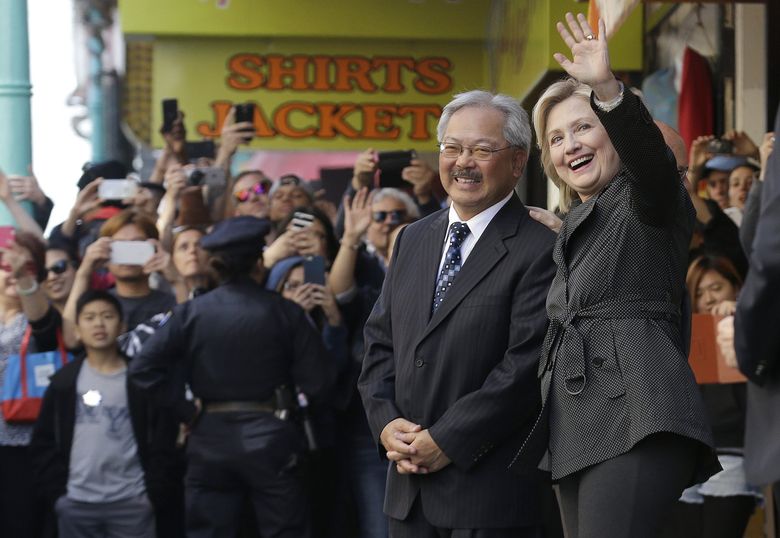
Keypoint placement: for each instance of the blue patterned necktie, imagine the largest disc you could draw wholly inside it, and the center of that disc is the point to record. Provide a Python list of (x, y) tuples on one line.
[(452, 262)]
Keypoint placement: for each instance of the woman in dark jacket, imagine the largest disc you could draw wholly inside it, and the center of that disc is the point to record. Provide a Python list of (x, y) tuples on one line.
[(627, 428)]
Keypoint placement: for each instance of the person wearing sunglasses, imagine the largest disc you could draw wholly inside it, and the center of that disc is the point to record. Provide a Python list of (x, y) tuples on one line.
[(251, 194), (389, 208), (60, 272)]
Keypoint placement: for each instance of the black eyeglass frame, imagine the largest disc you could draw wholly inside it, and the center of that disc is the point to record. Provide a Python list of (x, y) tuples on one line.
[(397, 214), (58, 267)]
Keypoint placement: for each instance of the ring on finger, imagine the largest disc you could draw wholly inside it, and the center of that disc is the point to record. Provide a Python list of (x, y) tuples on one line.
[(590, 37)]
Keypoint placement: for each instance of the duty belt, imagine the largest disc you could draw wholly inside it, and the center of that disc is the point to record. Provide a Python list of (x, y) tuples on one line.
[(563, 333), (240, 406)]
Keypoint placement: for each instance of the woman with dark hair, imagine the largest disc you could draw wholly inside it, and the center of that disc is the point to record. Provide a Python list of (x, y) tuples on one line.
[(625, 429), (24, 310), (721, 506), (244, 348)]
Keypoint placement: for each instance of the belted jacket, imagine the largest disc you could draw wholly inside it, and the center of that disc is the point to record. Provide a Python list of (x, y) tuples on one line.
[(612, 367)]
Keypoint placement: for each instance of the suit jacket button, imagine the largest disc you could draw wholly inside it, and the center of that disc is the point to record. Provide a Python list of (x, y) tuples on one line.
[(597, 362), (418, 363)]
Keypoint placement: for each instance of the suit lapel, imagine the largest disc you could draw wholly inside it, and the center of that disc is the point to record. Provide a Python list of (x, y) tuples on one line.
[(486, 254), (429, 257)]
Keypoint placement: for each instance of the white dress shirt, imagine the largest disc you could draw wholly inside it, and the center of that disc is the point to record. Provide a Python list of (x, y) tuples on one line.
[(477, 226)]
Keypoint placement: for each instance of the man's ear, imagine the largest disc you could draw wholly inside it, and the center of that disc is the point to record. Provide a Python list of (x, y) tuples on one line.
[(519, 160), (77, 332)]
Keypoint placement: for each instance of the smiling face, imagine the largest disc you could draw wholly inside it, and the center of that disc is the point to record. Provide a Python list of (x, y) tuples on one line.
[(98, 325), (58, 284), (580, 148), (740, 181), (473, 185), (8, 282)]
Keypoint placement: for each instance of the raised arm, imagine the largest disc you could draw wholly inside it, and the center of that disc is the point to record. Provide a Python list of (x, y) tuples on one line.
[(637, 140)]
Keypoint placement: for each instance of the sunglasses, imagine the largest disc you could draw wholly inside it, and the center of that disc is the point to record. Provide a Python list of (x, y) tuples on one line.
[(58, 267), (261, 187), (396, 216)]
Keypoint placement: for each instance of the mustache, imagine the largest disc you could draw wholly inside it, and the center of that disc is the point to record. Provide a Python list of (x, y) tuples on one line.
[(472, 174)]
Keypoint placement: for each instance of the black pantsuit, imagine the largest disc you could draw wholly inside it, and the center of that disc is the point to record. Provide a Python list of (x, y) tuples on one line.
[(613, 369), (636, 489)]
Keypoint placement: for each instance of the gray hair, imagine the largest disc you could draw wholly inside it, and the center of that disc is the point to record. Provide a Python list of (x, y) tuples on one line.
[(517, 130), (412, 211)]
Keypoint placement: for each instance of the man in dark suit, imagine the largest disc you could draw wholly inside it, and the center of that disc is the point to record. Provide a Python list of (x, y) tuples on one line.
[(757, 340), (449, 377)]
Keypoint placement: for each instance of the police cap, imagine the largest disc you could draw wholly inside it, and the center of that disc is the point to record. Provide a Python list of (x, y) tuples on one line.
[(238, 235)]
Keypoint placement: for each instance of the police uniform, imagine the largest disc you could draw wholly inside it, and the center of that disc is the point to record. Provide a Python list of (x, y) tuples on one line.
[(238, 343)]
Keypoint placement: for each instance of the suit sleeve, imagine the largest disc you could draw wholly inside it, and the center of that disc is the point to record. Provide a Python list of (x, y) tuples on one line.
[(509, 397), (377, 378), (756, 338), (649, 161)]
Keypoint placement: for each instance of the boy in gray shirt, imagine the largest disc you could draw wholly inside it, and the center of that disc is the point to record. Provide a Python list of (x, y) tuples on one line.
[(92, 443)]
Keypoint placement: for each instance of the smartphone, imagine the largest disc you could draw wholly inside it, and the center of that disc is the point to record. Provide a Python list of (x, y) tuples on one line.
[(197, 150), (245, 112), (170, 110), (301, 220), (390, 164), (7, 234), (314, 270), (117, 189), (131, 252)]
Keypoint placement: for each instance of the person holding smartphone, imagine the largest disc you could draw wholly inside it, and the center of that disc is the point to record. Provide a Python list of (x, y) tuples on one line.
[(139, 301)]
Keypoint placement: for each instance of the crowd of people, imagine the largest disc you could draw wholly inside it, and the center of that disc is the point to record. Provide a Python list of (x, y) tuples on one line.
[(248, 359)]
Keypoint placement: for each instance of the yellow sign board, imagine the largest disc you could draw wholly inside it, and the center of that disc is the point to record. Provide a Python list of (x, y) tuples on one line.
[(316, 94)]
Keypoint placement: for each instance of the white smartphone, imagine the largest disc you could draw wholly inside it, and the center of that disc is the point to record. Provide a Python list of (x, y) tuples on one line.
[(117, 189), (131, 252)]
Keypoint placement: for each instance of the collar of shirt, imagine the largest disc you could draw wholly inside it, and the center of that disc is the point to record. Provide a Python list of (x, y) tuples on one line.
[(477, 226)]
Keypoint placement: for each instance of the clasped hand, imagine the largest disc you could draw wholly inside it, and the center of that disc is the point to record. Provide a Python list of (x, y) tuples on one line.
[(411, 448)]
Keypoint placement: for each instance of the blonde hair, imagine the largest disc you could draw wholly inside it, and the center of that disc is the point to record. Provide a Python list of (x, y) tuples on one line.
[(556, 93)]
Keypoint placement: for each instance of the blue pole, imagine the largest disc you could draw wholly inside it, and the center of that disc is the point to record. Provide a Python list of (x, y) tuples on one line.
[(95, 98), (15, 94)]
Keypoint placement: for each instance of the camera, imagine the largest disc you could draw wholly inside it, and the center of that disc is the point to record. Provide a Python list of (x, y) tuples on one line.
[(212, 177), (720, 146)]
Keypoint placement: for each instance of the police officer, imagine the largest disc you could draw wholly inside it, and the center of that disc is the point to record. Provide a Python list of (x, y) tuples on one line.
[(239, 344)]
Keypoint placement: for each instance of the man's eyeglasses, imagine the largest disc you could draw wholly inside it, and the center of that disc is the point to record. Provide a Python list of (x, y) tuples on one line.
[(58, 267), (451, 150), (396, 216), (261, 187)]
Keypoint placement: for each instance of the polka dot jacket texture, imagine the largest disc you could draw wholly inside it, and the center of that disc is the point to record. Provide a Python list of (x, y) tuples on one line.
[(612, 367)]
